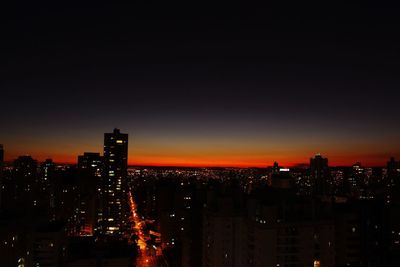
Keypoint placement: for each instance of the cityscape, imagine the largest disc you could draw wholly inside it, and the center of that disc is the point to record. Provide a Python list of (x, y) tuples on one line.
[(102, 212), (194, 134)]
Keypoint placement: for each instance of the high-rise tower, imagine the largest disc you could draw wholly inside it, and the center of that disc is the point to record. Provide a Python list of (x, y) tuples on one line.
[(320, 173), (115, 212)]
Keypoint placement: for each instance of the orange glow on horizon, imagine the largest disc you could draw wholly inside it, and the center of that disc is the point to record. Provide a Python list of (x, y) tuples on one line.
[(212, 161), (209, 151)]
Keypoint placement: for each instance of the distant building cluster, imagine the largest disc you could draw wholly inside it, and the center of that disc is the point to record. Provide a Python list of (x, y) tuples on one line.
[(103, 213), (60, 215), (308, 216)]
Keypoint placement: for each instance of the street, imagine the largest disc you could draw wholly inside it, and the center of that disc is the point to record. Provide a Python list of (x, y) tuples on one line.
[(148, 256)]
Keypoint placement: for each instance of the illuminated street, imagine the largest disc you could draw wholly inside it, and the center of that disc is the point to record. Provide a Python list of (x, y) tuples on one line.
[(147, 256)]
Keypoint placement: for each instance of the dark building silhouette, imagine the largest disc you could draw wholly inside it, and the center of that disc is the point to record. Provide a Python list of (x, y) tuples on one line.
[(26, 186), (115, 212), (47, 169), (48, 246), (393, 179), (393, 171), (47, 183), (270, 228), (90, 163), (276, 167), (90, 167), (86, 251), (319, 171), (281, 179), (393, 166)]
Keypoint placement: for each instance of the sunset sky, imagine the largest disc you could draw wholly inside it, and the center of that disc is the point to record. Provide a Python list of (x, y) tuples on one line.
[(206, 87)]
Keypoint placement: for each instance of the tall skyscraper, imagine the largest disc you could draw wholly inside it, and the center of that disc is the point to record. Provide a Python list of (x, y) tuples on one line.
[(319, 171), (115, 212)]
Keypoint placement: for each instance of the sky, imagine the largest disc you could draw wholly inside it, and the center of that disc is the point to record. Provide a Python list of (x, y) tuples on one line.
[(202, 85)]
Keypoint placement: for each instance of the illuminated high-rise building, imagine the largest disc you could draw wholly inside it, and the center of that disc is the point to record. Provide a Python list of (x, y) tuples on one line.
[(319, 171), (115, 212)]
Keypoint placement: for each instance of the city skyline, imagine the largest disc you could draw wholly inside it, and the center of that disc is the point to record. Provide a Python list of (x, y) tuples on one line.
[(166, 161), (99, 213)]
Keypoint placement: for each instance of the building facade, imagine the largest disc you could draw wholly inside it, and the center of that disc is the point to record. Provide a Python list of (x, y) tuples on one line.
[(114, 214)]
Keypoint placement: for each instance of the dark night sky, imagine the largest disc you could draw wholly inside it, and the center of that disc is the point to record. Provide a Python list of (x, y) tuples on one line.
[(203, 84)]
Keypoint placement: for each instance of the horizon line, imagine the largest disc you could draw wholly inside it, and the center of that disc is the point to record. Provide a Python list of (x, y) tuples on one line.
[(297, 165)]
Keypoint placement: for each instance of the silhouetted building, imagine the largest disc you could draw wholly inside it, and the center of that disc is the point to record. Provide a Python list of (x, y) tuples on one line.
[(47, 169), (48, 246), (319, 171), (259, 236), (86, 251), (47, 181), (282, 179), (90, 167), (114, 215), (90, 163), (26, 186), (13, 240), (393, 171), (275, 167), (225, 234), (393, 167)]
